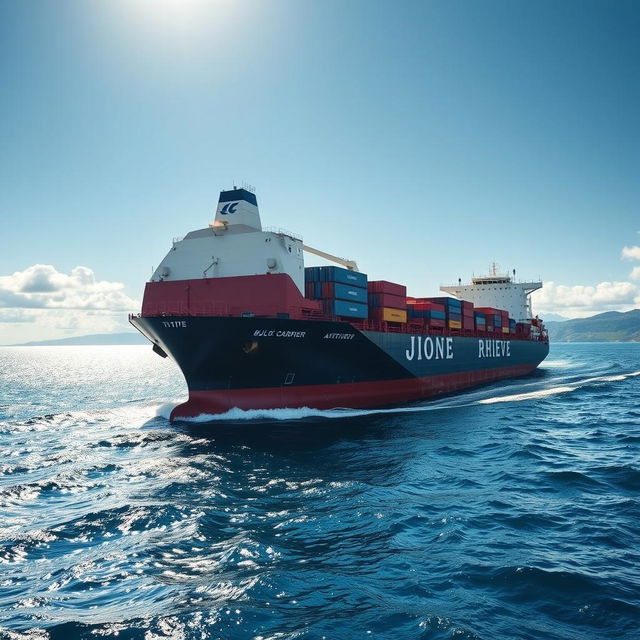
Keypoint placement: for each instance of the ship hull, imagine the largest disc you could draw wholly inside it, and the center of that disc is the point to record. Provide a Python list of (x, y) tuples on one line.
[(270, 363)]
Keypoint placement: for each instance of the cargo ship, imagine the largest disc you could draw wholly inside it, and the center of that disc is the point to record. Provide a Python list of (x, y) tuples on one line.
[(251, 328)]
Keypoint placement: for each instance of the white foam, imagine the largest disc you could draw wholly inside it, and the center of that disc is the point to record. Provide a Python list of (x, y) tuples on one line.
[(518, 397), (164, 410), (552, 391), (279, 414), (552, 364)]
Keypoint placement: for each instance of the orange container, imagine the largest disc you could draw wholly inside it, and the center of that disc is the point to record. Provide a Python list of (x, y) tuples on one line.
[(387, 314)]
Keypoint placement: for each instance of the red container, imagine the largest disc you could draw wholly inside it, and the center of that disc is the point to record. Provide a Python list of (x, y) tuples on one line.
[(425, 301), (434, 322), (426, 306), (382, 286), (523, 328), (387, 300), (468, 325)]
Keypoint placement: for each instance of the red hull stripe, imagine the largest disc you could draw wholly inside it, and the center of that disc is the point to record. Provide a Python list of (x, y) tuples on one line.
[(356, 395)]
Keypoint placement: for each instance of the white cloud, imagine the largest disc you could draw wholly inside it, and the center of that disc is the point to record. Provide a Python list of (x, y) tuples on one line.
[(631, 253), (41, 303), (635, 274), (580, 301), (41, 286)]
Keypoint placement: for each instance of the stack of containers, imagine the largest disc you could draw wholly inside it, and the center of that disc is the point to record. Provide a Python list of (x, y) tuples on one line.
[(512, 325), (480, 319), (387, 301), (432, 314), (497, 319), (343, 292), (504, 316), (453, 310), (523, 328), (468, 322)]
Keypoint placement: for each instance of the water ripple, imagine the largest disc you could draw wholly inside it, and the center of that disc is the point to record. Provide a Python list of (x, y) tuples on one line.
[(508, 512)]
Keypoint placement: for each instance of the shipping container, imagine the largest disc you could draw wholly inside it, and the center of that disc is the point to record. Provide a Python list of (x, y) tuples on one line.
[(418, 313), (425, 306), (345, 308), (468, 324), (382, 286), (490, 310), (337, 291), (455, 324), (387, 300), (343, 276), (450, 302), (387, 314), (310, 274)]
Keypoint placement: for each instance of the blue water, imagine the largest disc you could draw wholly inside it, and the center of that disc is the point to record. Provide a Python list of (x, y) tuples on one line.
[(507, 512)]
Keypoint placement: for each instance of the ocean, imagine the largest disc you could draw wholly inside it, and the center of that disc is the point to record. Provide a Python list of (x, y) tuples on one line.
[(508, 512)]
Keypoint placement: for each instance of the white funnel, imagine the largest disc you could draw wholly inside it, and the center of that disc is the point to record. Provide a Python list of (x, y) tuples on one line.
[(238, 206)]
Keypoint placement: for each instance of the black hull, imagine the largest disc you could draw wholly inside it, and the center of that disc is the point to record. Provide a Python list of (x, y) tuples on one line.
[(255, 363)]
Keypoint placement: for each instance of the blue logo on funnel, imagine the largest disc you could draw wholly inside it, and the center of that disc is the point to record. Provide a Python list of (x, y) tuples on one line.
[(229, 208)]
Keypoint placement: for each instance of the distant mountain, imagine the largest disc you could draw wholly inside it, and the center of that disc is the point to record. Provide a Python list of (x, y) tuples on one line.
[(613, 326), (553, 317), (95, 339)]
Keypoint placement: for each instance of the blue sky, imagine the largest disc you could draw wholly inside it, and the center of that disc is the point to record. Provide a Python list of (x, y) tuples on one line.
[(423, 139)]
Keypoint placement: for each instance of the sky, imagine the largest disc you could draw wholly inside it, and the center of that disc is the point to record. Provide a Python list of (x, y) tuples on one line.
[(425, 140)]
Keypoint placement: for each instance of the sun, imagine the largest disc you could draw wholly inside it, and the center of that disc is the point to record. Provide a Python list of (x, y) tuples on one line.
[(175, 19)]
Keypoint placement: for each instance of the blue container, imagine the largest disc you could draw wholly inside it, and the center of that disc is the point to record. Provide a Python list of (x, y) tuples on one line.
[(343, 276), (419, 313), (317, 290), (455, 316), (348, 309), (311, 274), (452, 303), (349, 292)]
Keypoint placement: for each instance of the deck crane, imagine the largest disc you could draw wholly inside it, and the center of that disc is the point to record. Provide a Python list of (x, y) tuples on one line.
[(349, 264)]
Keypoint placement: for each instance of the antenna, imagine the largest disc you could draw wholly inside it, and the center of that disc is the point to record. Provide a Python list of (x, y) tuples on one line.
[(248, 187)]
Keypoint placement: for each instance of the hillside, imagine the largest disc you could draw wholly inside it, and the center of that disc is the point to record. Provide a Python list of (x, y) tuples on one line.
[(613, 326)]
